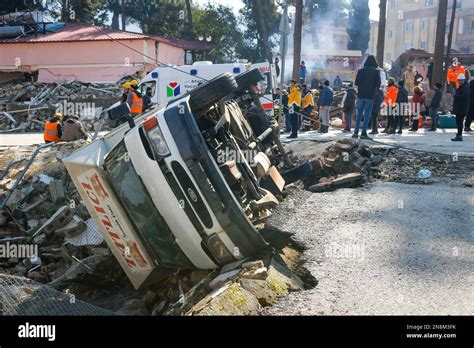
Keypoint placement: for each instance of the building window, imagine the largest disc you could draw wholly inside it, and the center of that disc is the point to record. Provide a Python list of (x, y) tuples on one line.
[(461, 26), (392, 3), (409, 26), (472, 26), (423, 24), (423, 45), (407, 46), (429, 2)]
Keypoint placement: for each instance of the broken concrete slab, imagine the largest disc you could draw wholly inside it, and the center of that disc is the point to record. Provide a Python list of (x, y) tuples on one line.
[(260, 273), (59, 219), (56, 188), (223, 278), (344, 181), (73, 228), (260, 289)]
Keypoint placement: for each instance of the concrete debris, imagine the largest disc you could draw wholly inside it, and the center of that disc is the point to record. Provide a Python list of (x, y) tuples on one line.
[(56, 188), (26, 106), (90, 236), (59, 219), (223, 278), (73, 228)]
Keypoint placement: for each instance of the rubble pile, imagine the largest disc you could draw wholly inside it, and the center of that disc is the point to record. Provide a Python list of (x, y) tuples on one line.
[(25, 106), (345, 163), (45, 211)]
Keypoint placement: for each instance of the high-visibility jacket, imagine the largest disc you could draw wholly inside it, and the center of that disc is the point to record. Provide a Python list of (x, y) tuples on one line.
[(453, 75), (308, 100), (294, 98), (51, 131), (391, 95), (136, 107), (461, 70)]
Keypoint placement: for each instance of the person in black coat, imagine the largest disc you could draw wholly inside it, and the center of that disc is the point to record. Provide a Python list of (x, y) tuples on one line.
[(461, 105), (470, 114), (379, 97), (349, 106), (435, 105), (402, 101), (368, 82)]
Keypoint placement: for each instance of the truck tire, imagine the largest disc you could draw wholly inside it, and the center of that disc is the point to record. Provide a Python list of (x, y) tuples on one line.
[(298, 172), (249, 78), (209, 93)]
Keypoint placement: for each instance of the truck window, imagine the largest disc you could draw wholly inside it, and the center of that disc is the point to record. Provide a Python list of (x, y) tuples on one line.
[(149, 84), (141, 210), (266, 86)]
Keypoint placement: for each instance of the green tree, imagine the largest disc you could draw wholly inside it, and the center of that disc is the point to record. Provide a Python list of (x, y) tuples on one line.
[(359, 26), (220, 24), (260, 20), (21, 5)]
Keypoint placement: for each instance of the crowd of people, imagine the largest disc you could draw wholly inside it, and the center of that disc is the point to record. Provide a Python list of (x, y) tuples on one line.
[(376, 95)]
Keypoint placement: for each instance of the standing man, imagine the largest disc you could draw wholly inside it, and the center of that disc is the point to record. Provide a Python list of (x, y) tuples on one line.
[(429, 74), (368, 82), (409, 77), (390, 102), (307, 104), (434, 106), (53, 129), (378, 100), (135, 99), (349, 107), (73, 129), (294, 105), (402, 101), (461, 105), (470, 115), (303, 72), (337, 83), (452, 78), (327, 97)]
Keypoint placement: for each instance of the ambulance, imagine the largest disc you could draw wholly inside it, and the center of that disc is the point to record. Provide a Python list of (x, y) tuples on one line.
[(170, 81)]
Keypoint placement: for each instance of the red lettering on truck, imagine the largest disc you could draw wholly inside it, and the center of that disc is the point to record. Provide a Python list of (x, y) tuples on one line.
[(105, 220)]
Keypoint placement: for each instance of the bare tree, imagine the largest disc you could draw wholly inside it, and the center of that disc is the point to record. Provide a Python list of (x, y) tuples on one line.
[(297, 39), (123, 14), (381, 32), (450, 36), (438, 73)]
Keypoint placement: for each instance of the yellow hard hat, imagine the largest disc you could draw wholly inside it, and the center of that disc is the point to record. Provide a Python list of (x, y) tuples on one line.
[(127, 85), (134, 83), (58, 115)]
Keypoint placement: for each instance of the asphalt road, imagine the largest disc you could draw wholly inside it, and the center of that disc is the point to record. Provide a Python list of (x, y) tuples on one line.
[(385, 249)]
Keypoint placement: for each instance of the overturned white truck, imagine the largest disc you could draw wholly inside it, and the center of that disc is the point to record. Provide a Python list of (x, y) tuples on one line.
[(188, 185)]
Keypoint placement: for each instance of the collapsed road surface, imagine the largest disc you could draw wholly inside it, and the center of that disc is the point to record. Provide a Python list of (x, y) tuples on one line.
[(385, 249)]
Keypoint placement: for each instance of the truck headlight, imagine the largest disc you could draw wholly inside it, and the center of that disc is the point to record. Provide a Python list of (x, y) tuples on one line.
[(156, 137), (218, 249)]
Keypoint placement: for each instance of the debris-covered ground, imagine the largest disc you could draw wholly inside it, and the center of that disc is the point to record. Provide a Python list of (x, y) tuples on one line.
[(74, 261), (25, 106)]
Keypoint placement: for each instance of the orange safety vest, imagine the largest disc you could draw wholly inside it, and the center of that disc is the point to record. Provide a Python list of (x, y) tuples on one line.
[(51, 131), (461, 70), (391, 96), (453, 75), (137, 104)]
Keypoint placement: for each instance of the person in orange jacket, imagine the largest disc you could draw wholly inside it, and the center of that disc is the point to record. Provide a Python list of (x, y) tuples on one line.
[(390, 101), (452, 77), (53, 129)]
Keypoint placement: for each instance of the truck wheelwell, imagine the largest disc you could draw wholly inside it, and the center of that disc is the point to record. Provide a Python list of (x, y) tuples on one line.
[(209, 93), (249, 78)]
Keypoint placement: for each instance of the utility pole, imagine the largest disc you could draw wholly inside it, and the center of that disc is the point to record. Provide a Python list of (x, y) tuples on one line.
[(284, 31), (450, 36), (297, 39), (381, 32), (438, 71)]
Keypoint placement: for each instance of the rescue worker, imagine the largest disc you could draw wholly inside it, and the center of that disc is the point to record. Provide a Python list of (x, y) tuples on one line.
[(409, 77), (390, 102), (452, 77), (307, 104), (135, 99), (294, 105), (126, 89), (53, 129), (461, 105), (73, 129)]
